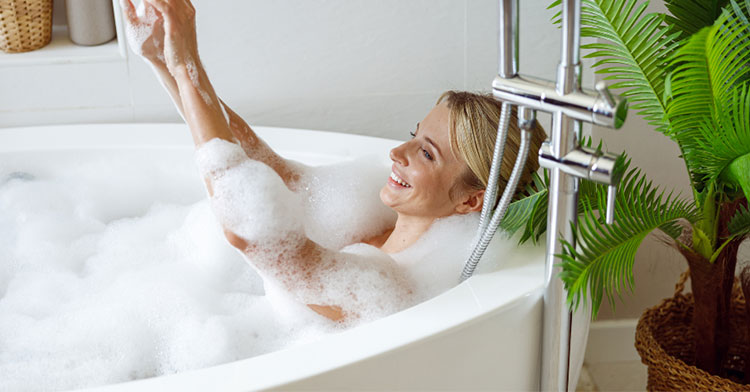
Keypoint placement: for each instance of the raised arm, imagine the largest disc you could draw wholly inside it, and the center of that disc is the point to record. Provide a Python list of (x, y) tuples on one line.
[(184, 77), (255, 208), (146, 36)]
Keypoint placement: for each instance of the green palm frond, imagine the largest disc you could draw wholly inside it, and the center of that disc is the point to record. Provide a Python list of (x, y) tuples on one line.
[(604, 259), (520, 211), (738, 174), (706, 70), (715, 145), (738, 7), (529, 212), (740, 223), (710, 106), (690, 16), (691, 93), (634, 54)]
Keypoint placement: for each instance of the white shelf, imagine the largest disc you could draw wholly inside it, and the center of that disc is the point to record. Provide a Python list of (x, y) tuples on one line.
[(61, 50)]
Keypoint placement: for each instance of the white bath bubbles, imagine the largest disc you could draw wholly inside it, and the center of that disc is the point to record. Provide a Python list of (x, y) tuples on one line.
[(249, 198), (251, 201), (114, 267), (434, 267), (345, 196)]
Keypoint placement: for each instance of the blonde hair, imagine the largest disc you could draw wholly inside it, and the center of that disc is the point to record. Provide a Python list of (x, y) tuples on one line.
[(473, 130)]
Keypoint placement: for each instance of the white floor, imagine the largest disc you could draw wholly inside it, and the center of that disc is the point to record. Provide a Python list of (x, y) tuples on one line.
[(612, 376), (611, 362)]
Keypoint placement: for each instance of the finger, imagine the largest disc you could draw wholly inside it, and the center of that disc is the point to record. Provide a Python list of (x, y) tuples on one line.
[(129, 9), (152, 12), (161, 5), (189, 5), (178, 7)]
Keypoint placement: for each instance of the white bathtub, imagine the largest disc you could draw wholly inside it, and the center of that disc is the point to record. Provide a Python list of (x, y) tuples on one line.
[(483, 334)]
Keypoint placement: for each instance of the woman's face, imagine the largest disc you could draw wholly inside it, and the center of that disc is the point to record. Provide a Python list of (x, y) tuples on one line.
[(424, 170)]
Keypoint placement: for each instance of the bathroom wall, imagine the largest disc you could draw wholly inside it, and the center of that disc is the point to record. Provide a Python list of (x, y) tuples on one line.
[(370, 67), (360, 66)]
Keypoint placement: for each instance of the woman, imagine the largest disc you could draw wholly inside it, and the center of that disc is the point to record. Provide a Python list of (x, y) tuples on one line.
[(442, 171)]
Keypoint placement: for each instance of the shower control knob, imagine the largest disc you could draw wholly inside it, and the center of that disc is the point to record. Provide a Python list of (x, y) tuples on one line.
[(604, 92), (614, 109)]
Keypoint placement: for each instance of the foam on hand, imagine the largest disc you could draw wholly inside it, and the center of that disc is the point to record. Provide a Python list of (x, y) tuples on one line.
[(138, 34)]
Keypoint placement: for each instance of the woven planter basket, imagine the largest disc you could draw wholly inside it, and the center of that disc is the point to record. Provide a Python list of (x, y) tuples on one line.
[(664, 340), (25, 25)]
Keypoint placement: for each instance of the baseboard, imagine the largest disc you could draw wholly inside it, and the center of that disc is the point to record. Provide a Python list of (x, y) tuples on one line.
[(612, 341)]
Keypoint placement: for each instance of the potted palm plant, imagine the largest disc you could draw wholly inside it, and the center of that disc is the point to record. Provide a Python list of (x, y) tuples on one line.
[(687, 72)]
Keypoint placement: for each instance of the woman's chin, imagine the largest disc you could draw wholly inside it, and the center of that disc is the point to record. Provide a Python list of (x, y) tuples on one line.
[(390, 199), (385, 197)]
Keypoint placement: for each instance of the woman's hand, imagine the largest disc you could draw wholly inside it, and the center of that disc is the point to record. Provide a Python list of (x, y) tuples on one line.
[(180, 43), (145, 31)]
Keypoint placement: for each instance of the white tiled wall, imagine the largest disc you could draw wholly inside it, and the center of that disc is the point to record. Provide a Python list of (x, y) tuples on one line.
[(362, 66)]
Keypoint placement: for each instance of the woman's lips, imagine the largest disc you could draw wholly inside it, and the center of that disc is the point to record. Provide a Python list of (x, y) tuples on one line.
[(398, 180)]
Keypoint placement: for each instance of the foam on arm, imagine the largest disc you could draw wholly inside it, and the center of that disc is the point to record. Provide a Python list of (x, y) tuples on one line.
[(251, 201), (249, 198)]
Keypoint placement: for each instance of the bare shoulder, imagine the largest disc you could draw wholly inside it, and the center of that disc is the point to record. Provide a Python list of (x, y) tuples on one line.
[(378, 240)]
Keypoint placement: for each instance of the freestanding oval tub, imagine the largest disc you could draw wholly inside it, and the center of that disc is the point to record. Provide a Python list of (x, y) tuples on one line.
[(483, 334)]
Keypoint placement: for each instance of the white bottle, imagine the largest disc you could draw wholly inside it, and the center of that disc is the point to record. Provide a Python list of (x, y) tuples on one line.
[(90, 22)]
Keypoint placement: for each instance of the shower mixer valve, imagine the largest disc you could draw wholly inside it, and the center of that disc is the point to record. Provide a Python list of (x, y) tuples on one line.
[(590, 164), (597, 106)]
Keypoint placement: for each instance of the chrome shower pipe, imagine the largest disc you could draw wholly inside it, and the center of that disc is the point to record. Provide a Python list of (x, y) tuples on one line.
[(569, 67), (508, 39), (562, 210)]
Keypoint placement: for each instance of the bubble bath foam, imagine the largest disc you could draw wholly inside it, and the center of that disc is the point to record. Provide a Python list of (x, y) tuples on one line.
[(113, 265)]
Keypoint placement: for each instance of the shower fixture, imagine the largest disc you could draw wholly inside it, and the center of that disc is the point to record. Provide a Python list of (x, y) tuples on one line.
[(564, 157)]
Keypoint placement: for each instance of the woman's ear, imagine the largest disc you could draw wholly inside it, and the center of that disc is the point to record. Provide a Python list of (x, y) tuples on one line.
[(471, 202)]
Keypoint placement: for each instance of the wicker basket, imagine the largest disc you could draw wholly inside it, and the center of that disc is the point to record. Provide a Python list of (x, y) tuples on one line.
[(25, 25), (664, 340)]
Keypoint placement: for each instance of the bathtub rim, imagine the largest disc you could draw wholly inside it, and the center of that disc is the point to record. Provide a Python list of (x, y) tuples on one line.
[(271, 370), (482, 291)]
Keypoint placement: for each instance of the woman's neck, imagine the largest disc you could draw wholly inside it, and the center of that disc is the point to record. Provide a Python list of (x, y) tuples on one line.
[(407, 231)]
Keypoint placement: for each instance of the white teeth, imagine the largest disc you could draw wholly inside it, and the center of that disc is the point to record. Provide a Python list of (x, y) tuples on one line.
[(396, 178)]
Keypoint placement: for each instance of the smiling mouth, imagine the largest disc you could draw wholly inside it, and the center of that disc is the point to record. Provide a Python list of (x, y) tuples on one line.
[(399, 181)]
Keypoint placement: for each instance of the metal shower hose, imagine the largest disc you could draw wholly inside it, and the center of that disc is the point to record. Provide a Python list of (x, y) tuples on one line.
[(487, 229)]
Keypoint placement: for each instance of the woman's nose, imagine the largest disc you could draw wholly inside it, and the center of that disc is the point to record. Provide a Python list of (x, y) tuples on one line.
[(397, 155)]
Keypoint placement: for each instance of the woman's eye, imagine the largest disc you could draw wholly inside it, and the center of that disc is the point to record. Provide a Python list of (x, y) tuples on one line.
[(412, 134), (426, 154)]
